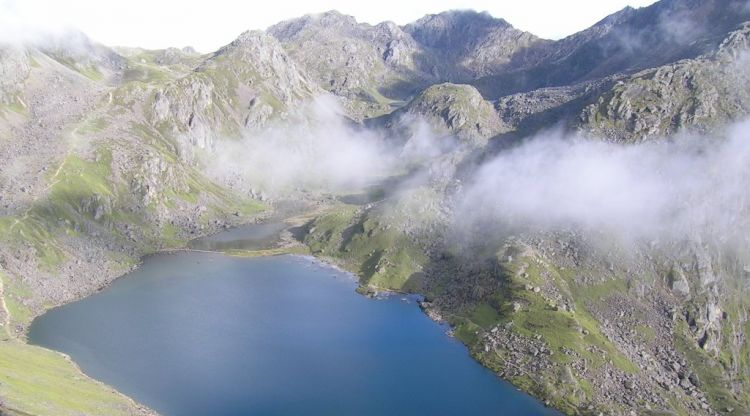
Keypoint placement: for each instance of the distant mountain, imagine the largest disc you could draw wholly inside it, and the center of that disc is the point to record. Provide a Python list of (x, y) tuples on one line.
[(379, 64), (696, 94), (475, 44), (624, 42)]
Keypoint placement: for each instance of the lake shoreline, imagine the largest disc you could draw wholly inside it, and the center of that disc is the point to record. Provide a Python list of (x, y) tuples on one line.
[(320, 302), (284, 245)]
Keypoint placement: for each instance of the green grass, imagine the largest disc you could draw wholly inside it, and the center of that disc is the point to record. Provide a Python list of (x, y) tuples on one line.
[(562, 329), (89, 71), (40, 382), (267, 252), (485, 316), (150, 74), (600, 292), (383, 258), (710, 373), (13, 294), (77, 188), (170, 236), (93, 126), (15, 106), (465, 331), (24, 232)]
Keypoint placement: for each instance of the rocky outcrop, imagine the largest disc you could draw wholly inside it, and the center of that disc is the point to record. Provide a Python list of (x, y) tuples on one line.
[(473, 44), (238, 88), (14, 68), (695, 94), (625, 42), (368, 66), (455, 109)]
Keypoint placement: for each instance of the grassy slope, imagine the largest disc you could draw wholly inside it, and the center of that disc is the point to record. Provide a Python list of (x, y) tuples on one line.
[(37, 381), (388, 259), (366, 243), (560, 330), (42, 382)]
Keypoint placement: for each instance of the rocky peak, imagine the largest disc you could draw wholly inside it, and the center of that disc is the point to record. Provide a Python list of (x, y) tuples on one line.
[(457, 109), (334, 18), (477, 43), (248, 39), (331, 20), (255, 53), (625, 42), (737, 42), (665, 31), (77, 51), (454, 29)]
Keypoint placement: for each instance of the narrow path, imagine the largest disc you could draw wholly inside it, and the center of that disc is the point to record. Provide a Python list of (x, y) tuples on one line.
[(6, 312), (52, 183)]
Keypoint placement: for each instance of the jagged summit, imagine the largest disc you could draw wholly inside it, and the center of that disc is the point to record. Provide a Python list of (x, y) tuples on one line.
[(328, 20), (625, 42), (452, 28)]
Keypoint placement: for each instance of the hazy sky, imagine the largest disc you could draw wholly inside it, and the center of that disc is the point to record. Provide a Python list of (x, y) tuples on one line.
[(206, 25)]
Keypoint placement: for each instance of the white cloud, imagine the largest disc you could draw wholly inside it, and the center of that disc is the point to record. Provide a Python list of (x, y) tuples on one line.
[(207, 25), (692, 186)]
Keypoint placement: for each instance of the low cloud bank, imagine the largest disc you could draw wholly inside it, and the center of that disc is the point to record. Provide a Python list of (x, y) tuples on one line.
[(318, 150), (687, 187)]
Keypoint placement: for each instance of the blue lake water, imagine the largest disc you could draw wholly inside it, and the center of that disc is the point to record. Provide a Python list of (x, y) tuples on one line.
[(208, 334)]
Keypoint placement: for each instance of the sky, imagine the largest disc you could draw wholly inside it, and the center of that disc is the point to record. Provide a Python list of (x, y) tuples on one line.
[(207, 25)]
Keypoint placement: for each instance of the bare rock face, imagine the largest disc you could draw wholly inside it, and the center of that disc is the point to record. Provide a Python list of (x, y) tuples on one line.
[(693, 94), (187, 104), (14, 68), (456, 109), (258, 57), (239, 87), (367, 66), (625, 42), (679, 282), (475, 44)]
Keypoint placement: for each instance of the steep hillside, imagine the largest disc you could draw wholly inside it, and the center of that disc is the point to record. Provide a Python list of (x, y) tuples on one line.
[(375, 67), (89, 185), (474, 44), (695, 94), (369, 66), (451, 109), (627, 41), (239, 87)]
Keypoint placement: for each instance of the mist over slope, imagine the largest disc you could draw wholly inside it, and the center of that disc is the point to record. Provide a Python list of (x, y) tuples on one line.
[(686, 187), (317, 150), (574, 209)]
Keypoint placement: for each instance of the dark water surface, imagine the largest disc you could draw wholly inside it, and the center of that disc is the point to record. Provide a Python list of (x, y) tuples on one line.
[(208, 334)]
